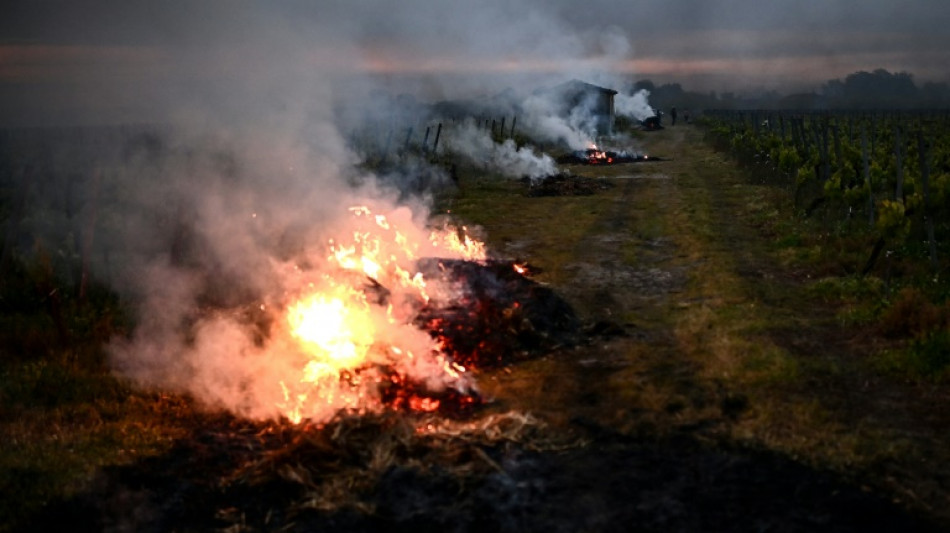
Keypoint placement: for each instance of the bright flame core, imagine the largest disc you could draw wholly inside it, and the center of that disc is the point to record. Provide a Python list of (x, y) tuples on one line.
[(340, 331), (337, 334)]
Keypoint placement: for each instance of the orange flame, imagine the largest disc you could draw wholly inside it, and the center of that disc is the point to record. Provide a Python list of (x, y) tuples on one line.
[(337, 333), (460, 243), (340, 333)]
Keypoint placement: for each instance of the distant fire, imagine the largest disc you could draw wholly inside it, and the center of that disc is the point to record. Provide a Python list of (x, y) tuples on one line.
[(596, 156)]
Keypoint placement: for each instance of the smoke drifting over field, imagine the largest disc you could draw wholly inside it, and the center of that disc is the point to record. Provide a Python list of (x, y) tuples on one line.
[(506, 158), (120, 62), (636, 105), (114, 61), (226, 212)]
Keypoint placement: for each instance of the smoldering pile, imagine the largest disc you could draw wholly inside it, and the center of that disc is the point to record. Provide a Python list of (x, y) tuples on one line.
[(490, 315), (498, 317), (594, 156), (503, 315)]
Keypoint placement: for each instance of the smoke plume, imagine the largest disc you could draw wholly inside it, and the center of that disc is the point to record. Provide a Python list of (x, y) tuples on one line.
[(220, 206), (635, 105), (475, 144)]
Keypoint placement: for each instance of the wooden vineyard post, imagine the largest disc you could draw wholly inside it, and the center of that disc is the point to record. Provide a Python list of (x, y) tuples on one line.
[(23, 178), (839, 164), (389, 139), (867, 174), (804, 136), (874, 126), (794, 134), (898, 196), (825, 160), (89, 234), (405, 147), (925, 179), (438, 133), (376, 140), (898, 157)]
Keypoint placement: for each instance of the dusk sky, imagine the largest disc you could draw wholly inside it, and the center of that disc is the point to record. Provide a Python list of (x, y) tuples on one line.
[(109, 61)]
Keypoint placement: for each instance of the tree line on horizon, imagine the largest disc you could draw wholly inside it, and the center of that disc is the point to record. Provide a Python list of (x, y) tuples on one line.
[(861, 90)]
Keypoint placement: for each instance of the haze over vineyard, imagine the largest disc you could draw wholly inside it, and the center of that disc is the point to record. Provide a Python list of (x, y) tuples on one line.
[(495, 265), (68, 63)]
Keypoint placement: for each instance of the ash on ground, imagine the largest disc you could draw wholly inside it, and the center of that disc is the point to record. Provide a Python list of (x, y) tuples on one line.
[(497, 472), (565, 185)]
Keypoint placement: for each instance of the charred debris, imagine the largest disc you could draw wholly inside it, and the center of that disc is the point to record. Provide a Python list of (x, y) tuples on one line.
[(565, 184)]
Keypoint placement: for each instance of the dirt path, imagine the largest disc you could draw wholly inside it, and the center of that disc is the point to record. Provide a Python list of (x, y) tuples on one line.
[(700, 412), (803, 375), (628, 272)]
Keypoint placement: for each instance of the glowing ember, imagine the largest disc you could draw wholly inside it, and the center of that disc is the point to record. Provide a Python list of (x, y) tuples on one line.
[(423, 404), (595, 155)]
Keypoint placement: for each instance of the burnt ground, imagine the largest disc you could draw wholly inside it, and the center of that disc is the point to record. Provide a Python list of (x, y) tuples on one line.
[(623, 430), (604, 481)]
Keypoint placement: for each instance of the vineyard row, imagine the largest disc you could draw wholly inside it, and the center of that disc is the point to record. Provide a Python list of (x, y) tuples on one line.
[(891, 169)]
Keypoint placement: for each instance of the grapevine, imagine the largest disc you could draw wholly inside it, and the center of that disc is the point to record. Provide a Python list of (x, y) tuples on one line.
[(883, 173)]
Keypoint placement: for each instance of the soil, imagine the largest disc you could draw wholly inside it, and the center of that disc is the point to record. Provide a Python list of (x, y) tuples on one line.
[(618, 432), (606, 481)]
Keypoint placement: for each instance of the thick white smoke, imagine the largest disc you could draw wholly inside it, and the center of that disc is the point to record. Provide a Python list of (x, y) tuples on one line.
[(214, 322), (546, 120), (506, 158), (227, 219), (635, 105), (221, 216)]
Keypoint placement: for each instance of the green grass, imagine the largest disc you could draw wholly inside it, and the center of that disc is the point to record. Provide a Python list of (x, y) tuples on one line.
[(546, 231), (784, 322), (62, 413), (924, 359), (772, 339), (60, 422)]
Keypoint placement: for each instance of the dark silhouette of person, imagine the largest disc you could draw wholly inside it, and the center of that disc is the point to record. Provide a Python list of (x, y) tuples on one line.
[(673, 116)]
